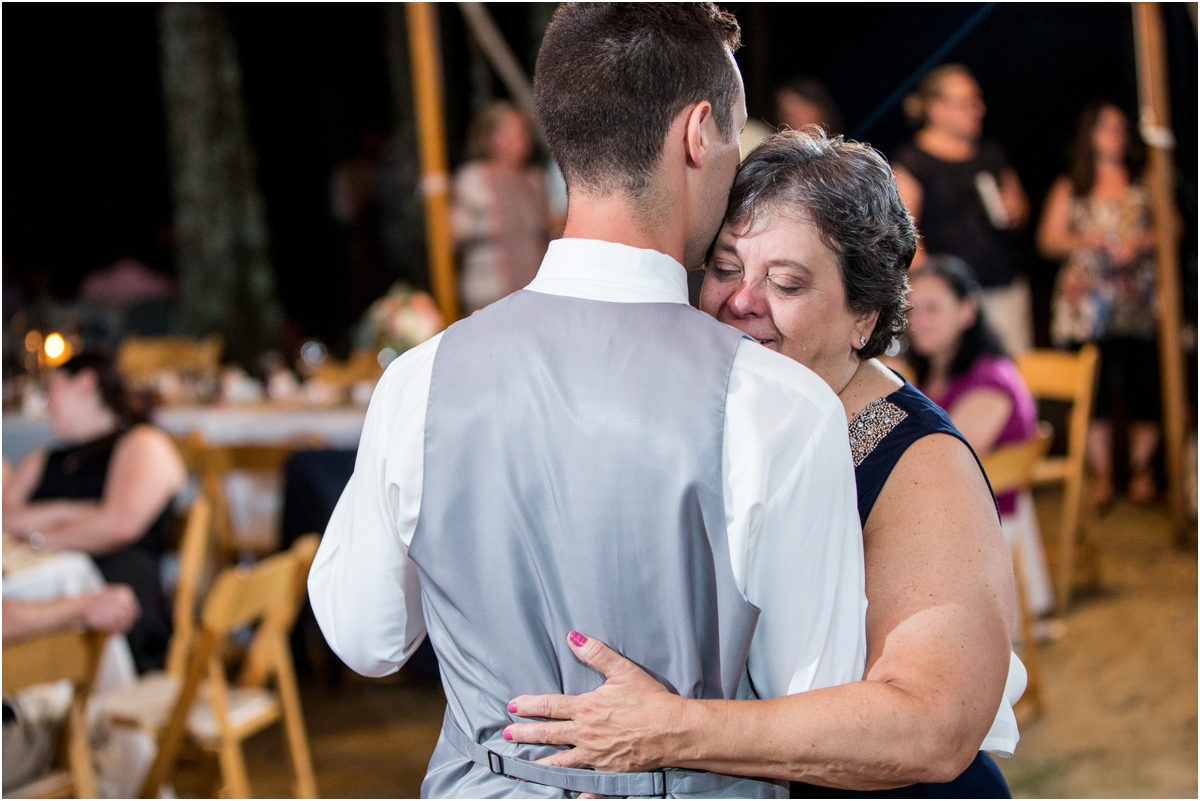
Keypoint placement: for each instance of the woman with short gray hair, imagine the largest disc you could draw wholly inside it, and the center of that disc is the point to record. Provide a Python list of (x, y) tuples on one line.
[(812, 262)]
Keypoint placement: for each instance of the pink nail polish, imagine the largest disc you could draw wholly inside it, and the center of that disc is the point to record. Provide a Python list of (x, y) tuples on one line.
[(512, 707), (577, 639), (507, 735)]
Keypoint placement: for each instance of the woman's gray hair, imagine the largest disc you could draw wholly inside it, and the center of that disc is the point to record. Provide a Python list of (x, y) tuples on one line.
[(847, 190)]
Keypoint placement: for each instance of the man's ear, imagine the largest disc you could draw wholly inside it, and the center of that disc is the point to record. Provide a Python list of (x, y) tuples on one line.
[(698, 133)]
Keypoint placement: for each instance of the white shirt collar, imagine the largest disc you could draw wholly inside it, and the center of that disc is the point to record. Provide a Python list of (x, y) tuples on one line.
[(593, 269)]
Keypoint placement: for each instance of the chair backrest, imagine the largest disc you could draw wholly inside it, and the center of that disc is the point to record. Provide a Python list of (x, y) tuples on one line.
[(363, 365), (142, 356), (193, 551), (304, 551), (1010, 467), (1066, 377), (213, 463), (245, 595), (63, 655), (257, 667)]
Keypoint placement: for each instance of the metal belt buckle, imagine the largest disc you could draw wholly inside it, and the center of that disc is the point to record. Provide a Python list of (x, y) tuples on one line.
[(660, 783), (496, 763)]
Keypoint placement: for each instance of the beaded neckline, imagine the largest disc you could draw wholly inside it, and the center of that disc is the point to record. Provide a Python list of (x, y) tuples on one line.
[(871, 425)]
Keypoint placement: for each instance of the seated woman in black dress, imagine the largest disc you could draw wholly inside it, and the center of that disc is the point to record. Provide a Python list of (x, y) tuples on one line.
[(812, 263), (108, 492)]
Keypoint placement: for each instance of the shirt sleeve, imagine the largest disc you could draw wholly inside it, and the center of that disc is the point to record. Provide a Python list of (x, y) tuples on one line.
[(363, 587), (794, 536), (1003, 737)]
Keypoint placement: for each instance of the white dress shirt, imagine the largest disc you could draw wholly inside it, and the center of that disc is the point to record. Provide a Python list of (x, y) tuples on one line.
[(790, 499)]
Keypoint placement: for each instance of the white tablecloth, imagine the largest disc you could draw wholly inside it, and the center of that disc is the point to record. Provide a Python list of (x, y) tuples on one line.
[(339, 427)]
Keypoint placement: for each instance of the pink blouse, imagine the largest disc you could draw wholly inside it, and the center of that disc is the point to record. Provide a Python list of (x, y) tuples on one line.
[(999, 373)]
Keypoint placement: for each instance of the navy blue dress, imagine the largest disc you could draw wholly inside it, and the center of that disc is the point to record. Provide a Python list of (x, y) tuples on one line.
[(879, 436)]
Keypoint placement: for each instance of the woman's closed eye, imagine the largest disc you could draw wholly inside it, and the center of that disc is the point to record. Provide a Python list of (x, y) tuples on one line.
[(724, 271), (787, 283)]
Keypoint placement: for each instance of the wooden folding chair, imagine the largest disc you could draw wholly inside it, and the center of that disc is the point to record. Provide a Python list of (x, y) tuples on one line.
[(142, 704), (217, 717), (139, 358), (363, 365), (214, 463), (1011, 468), (1071, 378), (67, 655), (256, 668)]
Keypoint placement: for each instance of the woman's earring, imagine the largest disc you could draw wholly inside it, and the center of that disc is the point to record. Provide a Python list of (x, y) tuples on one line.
[(862, 341)]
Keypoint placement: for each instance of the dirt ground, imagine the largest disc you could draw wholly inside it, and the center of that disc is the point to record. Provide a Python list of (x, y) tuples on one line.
[(1120, 694), (1120, 686)]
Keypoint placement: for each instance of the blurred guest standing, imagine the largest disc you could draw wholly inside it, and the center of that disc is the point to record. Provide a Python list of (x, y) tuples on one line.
[(965, 196), (108, 492), (501, 208), (962, 367), (1098, 219)]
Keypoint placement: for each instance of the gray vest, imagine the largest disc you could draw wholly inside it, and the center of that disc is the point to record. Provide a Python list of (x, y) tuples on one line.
[(573, 480)]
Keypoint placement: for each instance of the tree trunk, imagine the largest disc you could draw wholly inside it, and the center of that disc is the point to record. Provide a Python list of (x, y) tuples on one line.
[(226, 281)]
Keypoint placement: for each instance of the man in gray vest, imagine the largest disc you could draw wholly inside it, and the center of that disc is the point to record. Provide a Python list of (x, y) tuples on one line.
[(592, 452)]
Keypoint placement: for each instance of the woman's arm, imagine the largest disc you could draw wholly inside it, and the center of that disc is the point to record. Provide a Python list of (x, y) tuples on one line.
[(1055, 236), (940, 590), (144, 473), (113, 610), (913, 196), (23, 517), (911, 192), (980, 415), (1012, 195)]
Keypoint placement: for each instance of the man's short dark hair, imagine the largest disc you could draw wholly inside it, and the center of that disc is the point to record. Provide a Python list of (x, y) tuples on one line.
[(611, 77), (846, 190)]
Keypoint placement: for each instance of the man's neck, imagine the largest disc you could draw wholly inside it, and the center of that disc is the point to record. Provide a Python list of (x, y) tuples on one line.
[(613, 218)]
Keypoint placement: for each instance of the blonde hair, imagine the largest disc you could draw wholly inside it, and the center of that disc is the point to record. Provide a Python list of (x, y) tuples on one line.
[(930, 87), (484, 124)]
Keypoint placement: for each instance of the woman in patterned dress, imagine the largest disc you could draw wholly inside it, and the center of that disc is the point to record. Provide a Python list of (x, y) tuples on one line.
[(1098, 220), (812, 263)]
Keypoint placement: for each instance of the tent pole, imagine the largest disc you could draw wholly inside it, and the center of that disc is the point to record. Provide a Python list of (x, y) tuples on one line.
[(431, 137), (1155, 126)]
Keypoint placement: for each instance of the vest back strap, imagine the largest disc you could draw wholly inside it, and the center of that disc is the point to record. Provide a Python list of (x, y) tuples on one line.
[(654, 784)]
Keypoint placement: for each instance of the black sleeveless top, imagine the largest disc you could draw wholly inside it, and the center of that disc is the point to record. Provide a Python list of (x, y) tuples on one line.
[(78, 473), (953, 218), (884, 430), (879, 436)]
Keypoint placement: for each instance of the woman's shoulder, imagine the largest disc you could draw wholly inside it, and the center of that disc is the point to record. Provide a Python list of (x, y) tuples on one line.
[(887, 426), (927, 416), (887, 429), (146, 439), (470, 176)]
